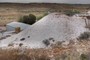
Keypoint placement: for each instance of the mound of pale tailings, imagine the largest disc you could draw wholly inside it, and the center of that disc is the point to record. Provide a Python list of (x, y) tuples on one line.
[(57, 26)]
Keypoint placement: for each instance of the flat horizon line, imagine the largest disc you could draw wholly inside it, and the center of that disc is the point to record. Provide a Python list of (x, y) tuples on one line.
[(42, 3)]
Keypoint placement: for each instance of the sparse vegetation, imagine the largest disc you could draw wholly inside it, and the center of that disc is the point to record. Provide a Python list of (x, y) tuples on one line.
[(84, 36), (84, 57), (46, 42), (30, 54), (17, 30), (31, 19), (41, 54), (20, 44), (40, 17), (58, 44), (55, 53), (71, 12), (21, 10)]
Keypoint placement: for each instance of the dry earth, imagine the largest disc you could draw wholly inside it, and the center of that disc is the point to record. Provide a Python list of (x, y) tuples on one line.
[(13, 11), (73, 51)]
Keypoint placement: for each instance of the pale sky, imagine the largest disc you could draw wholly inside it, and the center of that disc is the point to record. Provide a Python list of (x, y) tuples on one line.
[(49, 1)]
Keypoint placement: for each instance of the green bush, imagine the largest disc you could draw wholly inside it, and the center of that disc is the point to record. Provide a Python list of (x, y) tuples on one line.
[(71, 12), (31, 19)]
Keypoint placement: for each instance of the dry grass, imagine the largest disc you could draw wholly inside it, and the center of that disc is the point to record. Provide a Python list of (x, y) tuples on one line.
[(71, 52), (16, 54), (38, 54), (12, 12)]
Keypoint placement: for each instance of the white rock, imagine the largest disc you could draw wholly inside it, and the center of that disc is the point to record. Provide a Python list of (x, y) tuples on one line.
[(55, 25)]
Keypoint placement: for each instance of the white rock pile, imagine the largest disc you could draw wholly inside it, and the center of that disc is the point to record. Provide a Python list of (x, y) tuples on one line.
[(55, 25)]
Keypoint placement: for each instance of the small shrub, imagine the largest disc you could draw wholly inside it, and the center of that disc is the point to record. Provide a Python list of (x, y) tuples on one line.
[(85, 35), (83, 57), (20, 44), (46, 42), (30, 19), (17, 29), (52, 39)]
